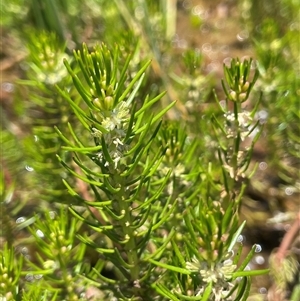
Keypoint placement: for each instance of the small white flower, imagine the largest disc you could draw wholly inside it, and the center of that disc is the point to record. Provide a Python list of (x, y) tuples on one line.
[(220, 274), (96, 133), (244, 119)]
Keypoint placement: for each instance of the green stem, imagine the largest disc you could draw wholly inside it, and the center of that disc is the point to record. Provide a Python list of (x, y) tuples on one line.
[(236, 141), (128, 232)]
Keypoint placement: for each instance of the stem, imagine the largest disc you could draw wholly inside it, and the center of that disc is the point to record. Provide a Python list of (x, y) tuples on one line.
[(128, 232), (83, 189), (288, 239)]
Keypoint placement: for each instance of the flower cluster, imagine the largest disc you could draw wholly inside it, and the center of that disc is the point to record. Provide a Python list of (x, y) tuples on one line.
[(47, 56), (220, 274), (241, 93), (243, 125), (54, 68), (116, 126)]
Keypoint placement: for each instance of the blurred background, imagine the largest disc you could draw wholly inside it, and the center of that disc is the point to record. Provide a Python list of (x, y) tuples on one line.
[(188, 41)]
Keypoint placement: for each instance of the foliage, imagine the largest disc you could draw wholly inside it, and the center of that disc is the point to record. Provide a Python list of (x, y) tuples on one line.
[(129, 194)]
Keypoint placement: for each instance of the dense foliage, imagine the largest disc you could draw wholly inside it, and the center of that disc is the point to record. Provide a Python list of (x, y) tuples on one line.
[(125, 166)]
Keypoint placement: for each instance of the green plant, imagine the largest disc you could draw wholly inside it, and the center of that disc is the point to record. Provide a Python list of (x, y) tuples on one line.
[(134, 203), (137, 196), (128, 189)]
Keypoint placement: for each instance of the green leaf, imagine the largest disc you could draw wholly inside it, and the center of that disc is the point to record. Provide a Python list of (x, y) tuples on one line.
[(78, 175), (121, 261), (66, 140), (83, 150), (109, 187), (167, 212), (134, 80), (158, 116), (136, 89), (169, 267), (238, 254), (161, 289), (247, 259), (188, 298), (93, 245), (178, 253), (147, 104), (86, 96), (87, 170), (241, 288), (207, 292), (106, 151), (235, 236), (101, 277), (122, 80), (78, 111), (161, 249), (250, 273)]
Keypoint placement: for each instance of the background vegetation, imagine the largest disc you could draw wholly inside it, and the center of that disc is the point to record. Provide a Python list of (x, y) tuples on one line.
[(129, 165)]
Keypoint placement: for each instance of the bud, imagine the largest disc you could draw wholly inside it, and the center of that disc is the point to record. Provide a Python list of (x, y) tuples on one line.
[(232, 95), (108, 103), (97, 103), (63, 249), (242, 97), (105, 105), (103, 84), (245, 87), (110, 90)]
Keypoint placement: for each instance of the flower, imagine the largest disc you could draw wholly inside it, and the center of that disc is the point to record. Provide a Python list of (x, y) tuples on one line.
[(244, 121), (116, 124), (220, 274)]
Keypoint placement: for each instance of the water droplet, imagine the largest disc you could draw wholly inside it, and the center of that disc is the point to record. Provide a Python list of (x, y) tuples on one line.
[(206, 47), (52, 214), (29, 277), (263, 290), (243, 35), (259, 259), (227, 61), (289, 190), (29, 168), (20, 220), (39, 233), (38, 276), (213, 66), (36, 138), (258, 248), (7, 87), (263, 165), (182, 43), (224, 49), (205, 28), (187, 4), (24, 251), (197, 10), (240, 238)]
